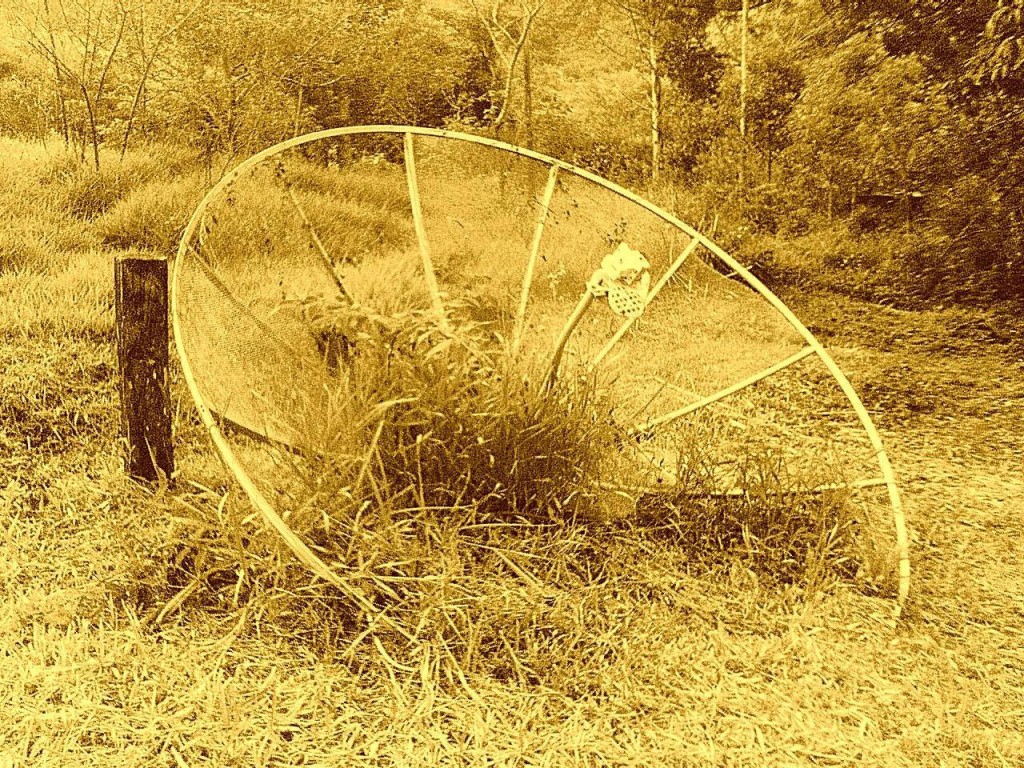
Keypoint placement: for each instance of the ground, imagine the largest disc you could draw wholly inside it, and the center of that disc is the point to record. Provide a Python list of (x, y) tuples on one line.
[(99, 665)]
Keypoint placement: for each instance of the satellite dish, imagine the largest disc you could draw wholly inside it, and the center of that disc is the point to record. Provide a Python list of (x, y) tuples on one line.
[(304, 263)]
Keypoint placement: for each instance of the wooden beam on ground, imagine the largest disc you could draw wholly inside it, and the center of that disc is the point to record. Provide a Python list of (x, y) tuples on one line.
[(140, 307)]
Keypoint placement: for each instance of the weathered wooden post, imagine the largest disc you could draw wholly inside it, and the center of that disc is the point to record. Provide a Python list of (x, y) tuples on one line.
[(140, 306)]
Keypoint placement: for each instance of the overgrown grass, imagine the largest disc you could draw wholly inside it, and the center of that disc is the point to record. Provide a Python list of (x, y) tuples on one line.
[(164, 626), (77, 284), (151, 216), (449, 493), (86, 193), (55, 206)]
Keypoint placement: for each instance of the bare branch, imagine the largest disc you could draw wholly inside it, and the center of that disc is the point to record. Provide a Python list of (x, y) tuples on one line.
[(508, 44)]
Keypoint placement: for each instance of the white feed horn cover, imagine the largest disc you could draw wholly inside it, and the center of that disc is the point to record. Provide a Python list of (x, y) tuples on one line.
[(625, 278)]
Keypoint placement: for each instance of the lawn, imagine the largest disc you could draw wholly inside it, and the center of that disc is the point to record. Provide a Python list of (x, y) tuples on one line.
[(129, 638)]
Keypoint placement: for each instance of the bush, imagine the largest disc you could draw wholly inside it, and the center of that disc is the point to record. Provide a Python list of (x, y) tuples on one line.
[(973, 245), (877, 267)]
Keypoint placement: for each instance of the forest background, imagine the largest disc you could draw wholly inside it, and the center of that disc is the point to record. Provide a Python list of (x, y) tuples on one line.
[(874, 146)]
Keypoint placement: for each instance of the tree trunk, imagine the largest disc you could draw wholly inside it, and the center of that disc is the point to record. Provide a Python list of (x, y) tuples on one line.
[(136, 100), (652, 61), (744, 31), (94, 135), (228, 141), (58, 80), (528, 97), (139, 99)]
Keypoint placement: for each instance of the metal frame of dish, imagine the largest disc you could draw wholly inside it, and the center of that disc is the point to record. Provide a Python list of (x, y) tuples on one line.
[(555, 166)]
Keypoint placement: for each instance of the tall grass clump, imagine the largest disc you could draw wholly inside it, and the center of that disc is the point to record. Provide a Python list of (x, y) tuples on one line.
[(259, 220), (151, 217), (86, 193), (82, 191), (36, 232), (42, 240), (376, 186), (772, 520), (445, 419)]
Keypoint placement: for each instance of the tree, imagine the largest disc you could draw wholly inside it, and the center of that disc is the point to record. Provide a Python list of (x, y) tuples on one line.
[(152, 27), (509, 24), (777, 84), (1000, 58), (236, 65), (81, 41), (403, 66), (655, 27), (862, 121), (944, 34), (23, 110), (972, 53)]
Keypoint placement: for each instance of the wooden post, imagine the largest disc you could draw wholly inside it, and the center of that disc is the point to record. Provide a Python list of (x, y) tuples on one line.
[(140, 306)]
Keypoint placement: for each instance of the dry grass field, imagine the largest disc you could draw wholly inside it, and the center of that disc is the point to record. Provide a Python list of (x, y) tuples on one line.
[(154, 626)]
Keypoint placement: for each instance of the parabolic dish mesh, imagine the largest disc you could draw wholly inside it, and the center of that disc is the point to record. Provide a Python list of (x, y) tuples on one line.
[(285, 231)]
